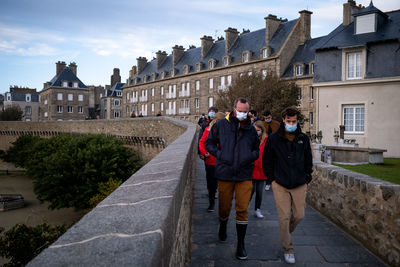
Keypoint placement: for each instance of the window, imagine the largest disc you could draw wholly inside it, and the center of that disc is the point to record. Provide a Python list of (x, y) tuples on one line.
[(101, 95), (162, 74), (59, 96), (264, 73), (188, 86), (152, 91), (119, 93), (116, 102), (198, 66), (311, 118), (186, 69), (250, 73), (299, 70), (127, 96), (28, 98), (45, 101), (312, 68), (265, 53), (211, 83), (80, 97), (226, 61), (75, 85), (162, 106), (116, 113), (162, 90), (152, 107), (365, 23), (70, 97), (353, 65), (59, 109), (70, 109), (210, 101), (311, 93), (28, 110), (65, 84), (46, 114), (353, 118), (80, 110), (197, 103), (127, 109), (8, 97), (172, 72), (229, 80), (197, 85), (211, 64), (299, 96), (246, 57)]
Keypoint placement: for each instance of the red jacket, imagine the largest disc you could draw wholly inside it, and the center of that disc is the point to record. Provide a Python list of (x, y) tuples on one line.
[(210, 160), (258, 170)]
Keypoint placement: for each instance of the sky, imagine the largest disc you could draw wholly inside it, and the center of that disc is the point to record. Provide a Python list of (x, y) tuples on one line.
[(100, 35)]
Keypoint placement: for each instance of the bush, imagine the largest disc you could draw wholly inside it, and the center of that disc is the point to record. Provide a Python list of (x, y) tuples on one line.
[(11, 113), (22, 243), (105, 189), (21, 150)]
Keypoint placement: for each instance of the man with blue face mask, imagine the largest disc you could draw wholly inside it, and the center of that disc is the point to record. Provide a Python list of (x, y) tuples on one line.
[(287, 162), (235, 144)]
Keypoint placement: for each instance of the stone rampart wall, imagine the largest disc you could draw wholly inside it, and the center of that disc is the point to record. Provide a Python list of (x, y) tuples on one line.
[(145, 222), (365, 207)]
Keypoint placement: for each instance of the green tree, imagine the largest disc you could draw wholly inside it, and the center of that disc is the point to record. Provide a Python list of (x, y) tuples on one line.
[(11, 113), (263, 93), (21, 150), (22, 243)]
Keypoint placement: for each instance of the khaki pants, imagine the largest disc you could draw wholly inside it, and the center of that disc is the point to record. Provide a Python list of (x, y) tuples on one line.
[(290, 204), (242, 192)]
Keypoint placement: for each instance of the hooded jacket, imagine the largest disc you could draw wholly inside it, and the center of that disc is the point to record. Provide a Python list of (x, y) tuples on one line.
[(236, 146), (288, 163)]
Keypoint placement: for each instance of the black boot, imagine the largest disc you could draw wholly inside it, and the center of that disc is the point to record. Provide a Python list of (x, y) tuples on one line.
[(222, 230), (241, 253), (211, 199)]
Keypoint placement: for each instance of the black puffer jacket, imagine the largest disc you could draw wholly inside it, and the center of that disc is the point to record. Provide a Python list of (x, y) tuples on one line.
[(288, 163), (235, 147)]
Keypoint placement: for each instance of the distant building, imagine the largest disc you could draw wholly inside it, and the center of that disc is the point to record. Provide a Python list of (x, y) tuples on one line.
[(111, 102), (65, 97), (357, 79), (27, 99)]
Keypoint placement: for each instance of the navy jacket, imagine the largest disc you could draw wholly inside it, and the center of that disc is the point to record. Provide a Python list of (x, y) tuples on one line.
[(288, 163), (235, 147)]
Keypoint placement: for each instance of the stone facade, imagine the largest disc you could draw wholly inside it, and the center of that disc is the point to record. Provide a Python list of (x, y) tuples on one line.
[(367, 208), (27, 99)]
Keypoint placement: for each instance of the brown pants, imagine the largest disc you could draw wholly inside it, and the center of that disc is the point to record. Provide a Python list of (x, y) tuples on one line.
[(242, 192), (290, 204)]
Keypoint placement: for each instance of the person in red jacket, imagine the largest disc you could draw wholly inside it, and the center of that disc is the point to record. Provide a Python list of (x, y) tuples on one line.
[(259, 177), (210, 162)]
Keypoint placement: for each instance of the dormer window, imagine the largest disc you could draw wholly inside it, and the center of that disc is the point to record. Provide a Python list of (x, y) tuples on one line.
[(311, 67), (246, 56), (8, 97), (28, 97), (186, 69), (145, 78), (365, 24), (75, 84), (198, 66), (153, 77), (119, 93), (298, 70), (211, 64), (226, 60), (173, 72), (64, 84), (264, 53)]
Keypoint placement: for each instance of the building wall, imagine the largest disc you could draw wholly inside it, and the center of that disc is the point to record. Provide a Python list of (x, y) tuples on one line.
[(34, 116), (381, 100)]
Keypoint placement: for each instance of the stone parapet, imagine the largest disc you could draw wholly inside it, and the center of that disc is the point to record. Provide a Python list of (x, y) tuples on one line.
[(365, 207), (145, 222)]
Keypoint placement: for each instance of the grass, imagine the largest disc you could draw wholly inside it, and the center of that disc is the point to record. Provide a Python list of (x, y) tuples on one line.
[(388, 171)]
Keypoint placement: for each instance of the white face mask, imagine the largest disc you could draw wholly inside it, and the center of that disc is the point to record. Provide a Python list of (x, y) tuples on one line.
[(241, 115)]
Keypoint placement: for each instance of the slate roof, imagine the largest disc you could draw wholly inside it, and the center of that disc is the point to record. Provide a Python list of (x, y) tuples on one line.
[(20, 96), (117, 87), (305, 53), (252, 41), (67, 75), (343, 36)]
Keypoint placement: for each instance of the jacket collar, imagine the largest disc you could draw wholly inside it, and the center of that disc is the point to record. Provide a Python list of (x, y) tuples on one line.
[(231, 118)]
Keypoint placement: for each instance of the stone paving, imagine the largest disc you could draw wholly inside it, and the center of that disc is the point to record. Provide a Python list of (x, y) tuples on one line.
[(317, 242)]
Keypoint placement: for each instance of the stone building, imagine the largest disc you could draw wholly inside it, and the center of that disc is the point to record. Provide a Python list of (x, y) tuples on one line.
[(27, 99), (357, 79), (111, 102), (65, 97), (185, 84)]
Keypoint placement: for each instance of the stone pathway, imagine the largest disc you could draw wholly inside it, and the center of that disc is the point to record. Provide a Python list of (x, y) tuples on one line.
[(317, 242)]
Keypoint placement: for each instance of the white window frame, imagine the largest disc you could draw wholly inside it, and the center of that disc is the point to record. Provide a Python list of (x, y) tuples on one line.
[(64, 84), (299, 93), (211, 83), (210, 101), (28, 110), (311, 92), (117, 113), (246, 57), (75, 84), (80, 110), (45, 101), (152, 91), (265, 53), (353, 120), (117, 102), (59, 96), (226, 61), (162, 106), (354, 65), (70, 97), (70, 109), (198, 66), (312, 66), (80, 98), (46, 114), (8, 97), (197, 103), (152, 107), (197, 85), (119, 93), (211, 64), (28, 98), (59, 109), (162, 90), (298, 70)]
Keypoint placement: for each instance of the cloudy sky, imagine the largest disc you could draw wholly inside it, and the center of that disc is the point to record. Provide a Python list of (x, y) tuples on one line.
[(100, 35)]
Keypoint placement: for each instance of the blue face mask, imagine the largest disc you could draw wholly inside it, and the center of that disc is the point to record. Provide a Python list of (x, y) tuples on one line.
[(268, 120), (211, 114), (291, 128)]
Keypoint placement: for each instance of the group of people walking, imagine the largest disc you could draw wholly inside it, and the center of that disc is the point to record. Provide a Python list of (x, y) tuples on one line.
[(244, 155)]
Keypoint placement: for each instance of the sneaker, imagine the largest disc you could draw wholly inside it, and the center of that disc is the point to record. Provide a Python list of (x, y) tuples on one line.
[(258, 214), (289, 258), (267, 187)]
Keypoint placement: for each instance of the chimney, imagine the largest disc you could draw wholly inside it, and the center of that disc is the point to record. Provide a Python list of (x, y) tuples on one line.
[(141, 64), (73, 67), (349, 9), (60, 66), (115, 78), (231, 35), (177, 53), (305, 25), (160, 57), (206, 44), (132, 72), (271, 25)]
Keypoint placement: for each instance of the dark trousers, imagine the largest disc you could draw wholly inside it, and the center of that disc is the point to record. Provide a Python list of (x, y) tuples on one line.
[(258, 187), (212, 182)]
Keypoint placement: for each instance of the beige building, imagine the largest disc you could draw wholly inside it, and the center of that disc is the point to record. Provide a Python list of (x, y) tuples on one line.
[(65, 97), (185, 83), (27, 99)]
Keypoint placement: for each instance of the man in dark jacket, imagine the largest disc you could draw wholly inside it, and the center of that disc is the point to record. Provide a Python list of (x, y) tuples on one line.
[(287, 162), (235, 144)]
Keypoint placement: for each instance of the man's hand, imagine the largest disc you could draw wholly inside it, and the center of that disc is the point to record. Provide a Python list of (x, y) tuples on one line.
[(201, 157), (207, 155)]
